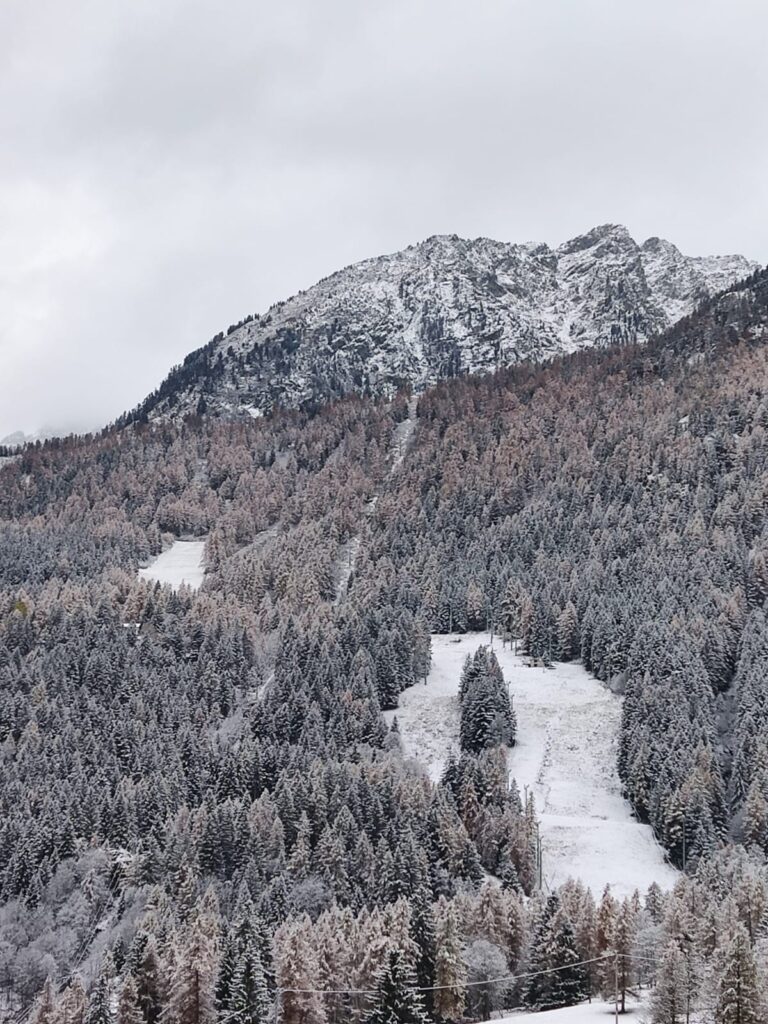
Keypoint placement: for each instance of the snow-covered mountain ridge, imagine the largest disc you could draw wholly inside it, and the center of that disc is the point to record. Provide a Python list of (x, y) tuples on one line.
[(443, 307)]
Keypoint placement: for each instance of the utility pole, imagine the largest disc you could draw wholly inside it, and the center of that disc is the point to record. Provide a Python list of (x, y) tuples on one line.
[(616, 988)]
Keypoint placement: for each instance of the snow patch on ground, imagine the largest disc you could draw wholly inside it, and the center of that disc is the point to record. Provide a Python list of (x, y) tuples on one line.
[(568, 725), (181, 563), (596, 1012)]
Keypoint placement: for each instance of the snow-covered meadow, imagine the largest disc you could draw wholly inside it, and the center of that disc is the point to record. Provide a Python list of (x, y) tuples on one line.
[(181, 563), (596, 1012), (567, 734)]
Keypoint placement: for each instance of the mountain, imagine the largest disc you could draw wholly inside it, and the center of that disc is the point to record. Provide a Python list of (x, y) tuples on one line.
[(444, 307), (208, 786), (18, 438)]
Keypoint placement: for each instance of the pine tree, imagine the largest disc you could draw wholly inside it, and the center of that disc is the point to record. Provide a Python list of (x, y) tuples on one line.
[(568, 984), (128, 1009), (450, 969), (298, 973), (739, 999), (99, 1009), (669, 1002), (540, 957), (192, 988), (562, 981), (622, 941), (605, 930), (396, 1001), (249, 1000), (568, 633), (150, 982), (756, 817)]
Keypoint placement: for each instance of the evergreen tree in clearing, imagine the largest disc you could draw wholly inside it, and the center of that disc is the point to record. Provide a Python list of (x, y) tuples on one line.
[(487, 718), (396, 1001)]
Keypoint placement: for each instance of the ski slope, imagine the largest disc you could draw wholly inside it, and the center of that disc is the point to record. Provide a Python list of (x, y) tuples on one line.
[(181, 563), (567, 735)]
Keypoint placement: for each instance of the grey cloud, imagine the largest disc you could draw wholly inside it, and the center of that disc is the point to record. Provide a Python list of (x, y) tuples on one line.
[(169, 166)]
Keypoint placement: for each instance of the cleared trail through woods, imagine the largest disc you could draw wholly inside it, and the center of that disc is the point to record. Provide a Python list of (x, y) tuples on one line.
[(568, 726), (347, 559), (181, 563)]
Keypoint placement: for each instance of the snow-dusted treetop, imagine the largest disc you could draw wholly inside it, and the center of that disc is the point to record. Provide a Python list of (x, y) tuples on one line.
[(445, 306)]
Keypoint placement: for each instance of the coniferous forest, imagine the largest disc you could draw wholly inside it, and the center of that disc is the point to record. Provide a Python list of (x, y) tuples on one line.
[(204, 816)]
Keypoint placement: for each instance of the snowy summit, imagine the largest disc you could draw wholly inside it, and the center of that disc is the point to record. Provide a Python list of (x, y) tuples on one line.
[(444, 307)]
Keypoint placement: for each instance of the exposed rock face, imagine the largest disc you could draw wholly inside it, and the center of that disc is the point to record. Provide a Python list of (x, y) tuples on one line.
[(445, 306)]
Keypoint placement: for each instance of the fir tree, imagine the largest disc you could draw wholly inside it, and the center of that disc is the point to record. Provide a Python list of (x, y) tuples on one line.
[(396, 1000), (669, 1002), (128, 1009), (739, 1000), (450, 970)]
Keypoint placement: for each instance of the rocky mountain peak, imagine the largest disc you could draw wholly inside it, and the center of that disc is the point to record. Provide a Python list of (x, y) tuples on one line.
[(445, 306)]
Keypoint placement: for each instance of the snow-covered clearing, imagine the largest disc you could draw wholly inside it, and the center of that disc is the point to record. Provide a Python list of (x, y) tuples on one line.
[(596, 1012), (181, 563), (567, 735)]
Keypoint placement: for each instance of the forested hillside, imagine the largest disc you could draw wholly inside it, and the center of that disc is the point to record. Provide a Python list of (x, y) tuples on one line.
[(203, 816)]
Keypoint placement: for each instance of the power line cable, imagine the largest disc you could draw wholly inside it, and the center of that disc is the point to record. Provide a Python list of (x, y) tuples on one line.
[(436, 988)]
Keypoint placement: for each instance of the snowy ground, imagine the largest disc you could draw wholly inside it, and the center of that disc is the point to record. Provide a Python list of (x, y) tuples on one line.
[(181, 563), (596, 1012), (568, 727)]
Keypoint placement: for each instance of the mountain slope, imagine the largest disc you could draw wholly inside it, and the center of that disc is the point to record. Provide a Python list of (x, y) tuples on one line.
[(175, 756), (443, 307)]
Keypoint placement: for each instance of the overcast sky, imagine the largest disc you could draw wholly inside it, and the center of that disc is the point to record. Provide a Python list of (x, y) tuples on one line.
[(168, 166)]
